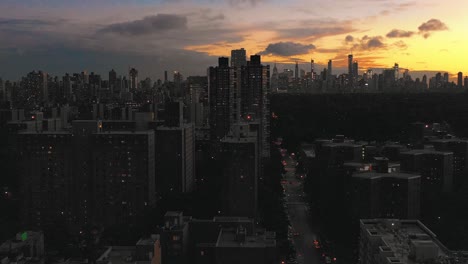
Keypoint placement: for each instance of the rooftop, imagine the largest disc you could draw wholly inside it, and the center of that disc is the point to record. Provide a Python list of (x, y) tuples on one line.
[(407, 241), (182, 126), (228, 238), (426, 151), (117, 255), (145, 132), (376, 175)]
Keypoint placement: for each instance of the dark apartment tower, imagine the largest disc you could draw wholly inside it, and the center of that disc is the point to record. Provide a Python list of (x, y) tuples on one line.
[(255, 60), (123, 176), (219, 87), (385, 195), (254, 98), (238, 58), (460, 80), (45, 173), (174, 114), (459, 147), (165, 76), (435, 167), (175, 159), (223, 62), (240, 157), (83, 131)]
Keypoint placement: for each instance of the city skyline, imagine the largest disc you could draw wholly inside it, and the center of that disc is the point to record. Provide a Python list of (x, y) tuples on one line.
[(153, 36)]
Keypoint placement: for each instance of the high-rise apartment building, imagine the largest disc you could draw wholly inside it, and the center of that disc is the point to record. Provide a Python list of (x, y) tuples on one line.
[(238, 58), (45, 169), (459, 148), (175, 158), (254, 99), (386, 195), (435, 167), (240, 177), (219, 88), (123, 171)]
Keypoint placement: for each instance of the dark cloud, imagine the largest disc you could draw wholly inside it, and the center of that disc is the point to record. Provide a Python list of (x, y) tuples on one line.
[(349, 38), (239, 2), (368, 43), (400, 44), (431, 25), (312, 33), (397, 33), (287, 49), (375, 42), (23, 22), (148, 25)]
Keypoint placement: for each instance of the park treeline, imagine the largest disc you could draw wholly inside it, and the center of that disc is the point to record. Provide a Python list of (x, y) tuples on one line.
[(379, 117)]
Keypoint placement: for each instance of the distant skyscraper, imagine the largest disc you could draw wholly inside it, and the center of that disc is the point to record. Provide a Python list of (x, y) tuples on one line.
[(396, 68), (2, 91), (466, 82), (238, 58), (133, 74), (350, 66), (355, 69), (312, 69), (424, 81), (460, 80), (178, 79), (275, 79), (296, 72), (329, 71), (67, 86), (44, 86), (112, 81), (85, 77), (446, 77), (165, 77)]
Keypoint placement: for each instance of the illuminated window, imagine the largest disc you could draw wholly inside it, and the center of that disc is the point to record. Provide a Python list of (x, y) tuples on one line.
[(175, 238)]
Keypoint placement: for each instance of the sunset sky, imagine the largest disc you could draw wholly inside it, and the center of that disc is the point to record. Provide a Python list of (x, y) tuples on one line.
[(61, 36)]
